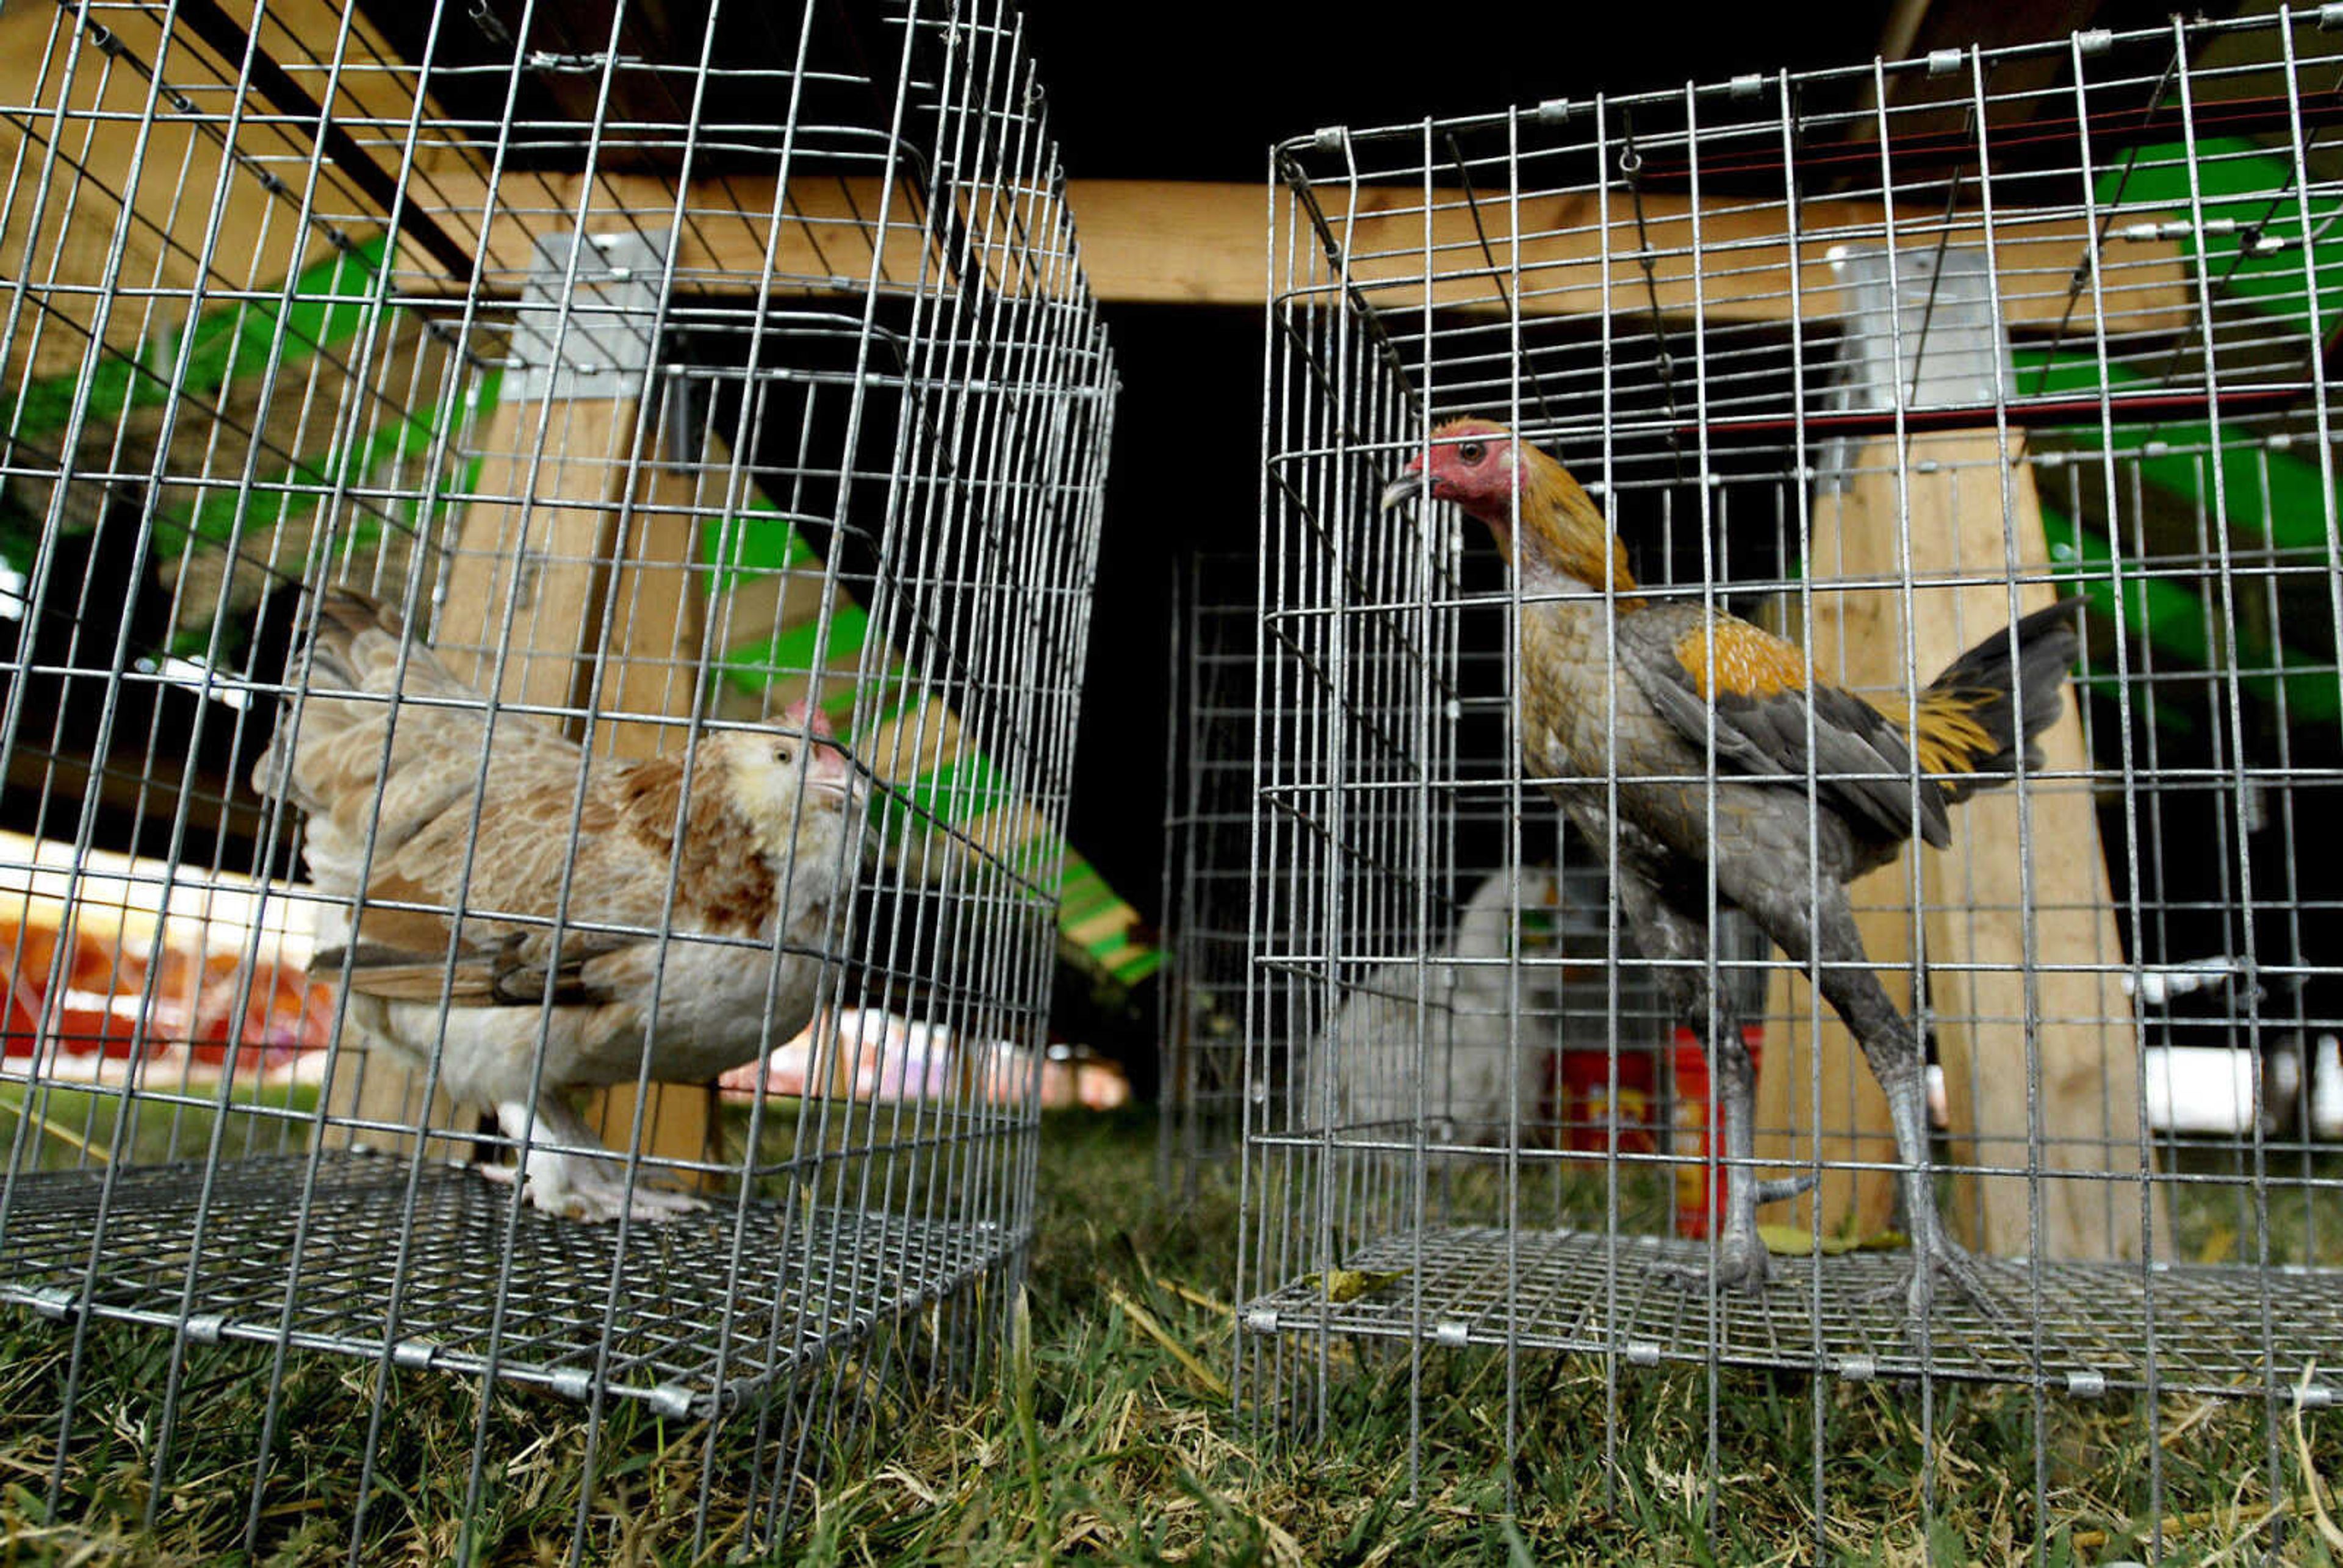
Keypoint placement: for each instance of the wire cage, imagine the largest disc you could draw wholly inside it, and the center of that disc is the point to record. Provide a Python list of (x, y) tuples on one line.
[(1207, 861), (555, 537), (1880, 360), (1556, 1085)]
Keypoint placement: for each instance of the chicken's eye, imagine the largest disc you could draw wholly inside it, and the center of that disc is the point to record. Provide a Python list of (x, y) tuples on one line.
[(785, 755), (1470, 452)]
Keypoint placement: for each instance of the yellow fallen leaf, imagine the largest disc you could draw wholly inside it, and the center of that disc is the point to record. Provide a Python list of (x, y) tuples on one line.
[(1350, 1284), (1796, 1241)]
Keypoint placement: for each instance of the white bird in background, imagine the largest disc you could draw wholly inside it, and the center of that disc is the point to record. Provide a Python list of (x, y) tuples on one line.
[(1468, 1039), (768, 844)]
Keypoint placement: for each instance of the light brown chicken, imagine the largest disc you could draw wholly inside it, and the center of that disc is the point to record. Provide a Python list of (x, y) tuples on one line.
[(417, 813)]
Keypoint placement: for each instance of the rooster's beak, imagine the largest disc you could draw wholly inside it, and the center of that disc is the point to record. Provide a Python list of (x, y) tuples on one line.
[(1406, 487)]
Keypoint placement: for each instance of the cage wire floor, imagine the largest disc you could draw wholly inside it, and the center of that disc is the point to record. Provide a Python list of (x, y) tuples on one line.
[(2090, 1329), (833, 1277)]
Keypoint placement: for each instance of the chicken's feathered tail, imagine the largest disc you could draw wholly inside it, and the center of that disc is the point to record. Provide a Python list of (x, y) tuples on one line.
[(1966, 727)]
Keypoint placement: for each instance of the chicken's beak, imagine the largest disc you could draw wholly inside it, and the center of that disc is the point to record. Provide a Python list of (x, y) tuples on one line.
[(1406, 487)]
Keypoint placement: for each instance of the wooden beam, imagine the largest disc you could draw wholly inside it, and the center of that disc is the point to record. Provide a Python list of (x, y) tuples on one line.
[(651, 664), (1725, 259), (547, 546), (554, 551), (1816, 1099), (564, 546), (1169, 242)]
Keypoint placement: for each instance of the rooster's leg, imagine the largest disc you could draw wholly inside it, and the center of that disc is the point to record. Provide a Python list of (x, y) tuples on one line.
[(1663, 933), (1891, 1049), (1740, 1254)]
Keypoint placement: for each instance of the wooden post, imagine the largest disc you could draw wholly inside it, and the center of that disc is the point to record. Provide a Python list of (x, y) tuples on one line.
[(544, 521), (1985, 979), (1849, 1124)]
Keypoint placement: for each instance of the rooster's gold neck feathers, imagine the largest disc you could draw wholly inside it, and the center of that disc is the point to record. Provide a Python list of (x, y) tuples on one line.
[(1563, 530)]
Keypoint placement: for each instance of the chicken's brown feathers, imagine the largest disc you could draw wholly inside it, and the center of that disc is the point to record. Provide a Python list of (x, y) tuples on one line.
[(344, 615), (517, 972), (730, 883), (1768, 724), (395, 974), (431, 807), (1745, 661)]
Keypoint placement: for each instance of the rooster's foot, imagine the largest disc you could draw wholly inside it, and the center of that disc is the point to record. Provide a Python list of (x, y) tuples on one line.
[(1944, 1263), (1740, 1265)]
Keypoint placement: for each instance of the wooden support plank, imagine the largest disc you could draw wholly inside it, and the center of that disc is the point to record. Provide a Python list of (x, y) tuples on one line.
[(514, 533), (651, 664), (1816, 1099), (1142, 241), (824, 241), (1203, 243), (1976, 933)]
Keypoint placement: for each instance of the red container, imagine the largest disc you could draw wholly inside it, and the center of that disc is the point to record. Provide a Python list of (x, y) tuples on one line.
[(1700, 1179), (1582, 1100)]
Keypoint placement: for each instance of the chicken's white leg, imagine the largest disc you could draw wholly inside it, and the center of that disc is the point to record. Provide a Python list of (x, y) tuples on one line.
[(560, 1176)]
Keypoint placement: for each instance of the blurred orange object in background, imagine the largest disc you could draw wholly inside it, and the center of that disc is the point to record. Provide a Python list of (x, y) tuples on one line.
[(111, 960)]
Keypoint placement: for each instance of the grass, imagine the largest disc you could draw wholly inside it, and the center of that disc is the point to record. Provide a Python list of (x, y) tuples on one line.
[(71, 1125), (1109, 1438)]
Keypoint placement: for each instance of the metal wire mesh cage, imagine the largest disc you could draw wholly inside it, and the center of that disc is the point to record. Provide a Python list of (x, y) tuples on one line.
[(1555, 1084), (547, 558), (1864, 368), (1207, 860)]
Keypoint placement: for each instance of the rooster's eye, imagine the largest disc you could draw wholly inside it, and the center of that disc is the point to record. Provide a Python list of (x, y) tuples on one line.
[(1470, 452), (784, 754)]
